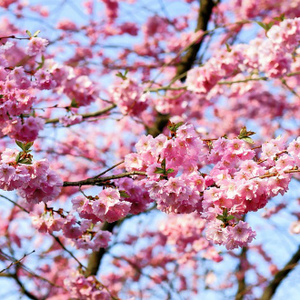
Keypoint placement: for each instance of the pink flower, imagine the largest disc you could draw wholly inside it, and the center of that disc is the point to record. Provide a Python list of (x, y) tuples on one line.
[(9, 155), (44, 80), (70, 120), (295, 227), (130, 97), (36, 45), (239, 235)]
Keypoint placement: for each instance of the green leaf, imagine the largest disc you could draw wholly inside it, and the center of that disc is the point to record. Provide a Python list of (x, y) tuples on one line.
[(248, 140), (174, 126), (123, 194), (1, 96), (21, 145), (41, 64), (123, 76), (27, 146), (29, 33), (220, 217), (163, 164), (261, 24), (36, 33), (228, 47), (269, 25), (25, 161), (265, 26), (280, 18), (159, 171), (18, 157), (230, 218), (170, 171), (244, 135), (74, 103)]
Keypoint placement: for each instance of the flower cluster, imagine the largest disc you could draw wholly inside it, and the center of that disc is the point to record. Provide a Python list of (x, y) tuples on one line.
[(86, 232), (107, 206), (89, 288), (137, 195), (186, 234), (202, 79), (286, 34), (272, 56), (231, 236), (83, 234), (36, 45), (237, 183), (186, 38), (70, 120), (34, 180), (175, 102), (162, 159), (78, 87), (17, 100), (7, 3), (130, 97)]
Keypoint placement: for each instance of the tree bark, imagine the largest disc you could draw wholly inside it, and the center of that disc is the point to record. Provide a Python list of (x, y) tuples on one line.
[(205, 12), (280, 276), (242, 287)]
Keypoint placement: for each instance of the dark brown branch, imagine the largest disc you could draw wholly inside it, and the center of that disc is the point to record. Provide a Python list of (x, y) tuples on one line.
[(23, 289), (242, 287), (86, 116), (101, 180), (205, 12), (96, 257), (280, 276), (14, 37)]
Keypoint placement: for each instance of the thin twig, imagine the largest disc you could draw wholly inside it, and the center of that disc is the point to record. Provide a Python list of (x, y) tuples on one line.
[(87, 115), (102, 180), (15, 203), (16, 261), (114, 166)]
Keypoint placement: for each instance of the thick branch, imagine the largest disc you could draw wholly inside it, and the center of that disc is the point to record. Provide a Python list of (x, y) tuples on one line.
[(205, 11), (280, 276), (96, 257), (242, 287), (23, 289)]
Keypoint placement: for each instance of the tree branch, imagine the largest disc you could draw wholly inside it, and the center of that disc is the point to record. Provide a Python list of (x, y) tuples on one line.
[(87, 115), (101, 180), (23, 289), (242, 287), (96, 257), (280, 276), (16, 261), (205, 12)]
